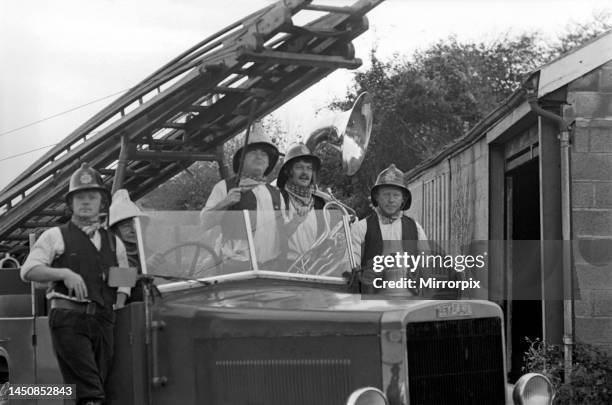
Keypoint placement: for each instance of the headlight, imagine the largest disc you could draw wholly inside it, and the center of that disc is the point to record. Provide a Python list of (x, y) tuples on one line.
[(533, 389), (367, 396)]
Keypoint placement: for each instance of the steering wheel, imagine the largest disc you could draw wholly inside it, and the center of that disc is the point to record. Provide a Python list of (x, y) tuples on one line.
[(199, 247)]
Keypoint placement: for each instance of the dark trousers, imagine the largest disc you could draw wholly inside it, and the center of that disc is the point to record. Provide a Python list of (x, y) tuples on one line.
[(83, 345)]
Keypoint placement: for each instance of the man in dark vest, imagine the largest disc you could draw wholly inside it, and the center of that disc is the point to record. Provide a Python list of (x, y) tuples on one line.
[(253, 193), (297, 182), (387, 230), (76, 259)]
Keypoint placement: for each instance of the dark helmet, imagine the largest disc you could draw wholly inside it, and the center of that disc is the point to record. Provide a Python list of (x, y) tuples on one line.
[(258, 139), (295, 152), (86, 178), (392, 176)]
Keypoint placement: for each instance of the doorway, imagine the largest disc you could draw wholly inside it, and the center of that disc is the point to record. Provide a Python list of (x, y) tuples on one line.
[(524, 286)]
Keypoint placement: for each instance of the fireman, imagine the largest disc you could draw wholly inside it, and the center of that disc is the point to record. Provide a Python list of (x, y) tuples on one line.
[(387, 230), (297, 182), (121, 216), (253, 193), (75, 259)]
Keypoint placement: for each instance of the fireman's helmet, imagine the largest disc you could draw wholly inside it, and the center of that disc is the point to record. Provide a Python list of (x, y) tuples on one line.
[(86, 178), (122, 208), (297, 151), (257, 138), (391, 176)]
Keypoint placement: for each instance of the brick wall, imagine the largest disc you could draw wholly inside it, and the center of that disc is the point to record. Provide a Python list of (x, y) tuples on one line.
[(590, 105)]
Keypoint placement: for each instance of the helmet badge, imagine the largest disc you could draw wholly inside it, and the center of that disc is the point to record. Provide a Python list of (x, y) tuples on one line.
[(86, 178)]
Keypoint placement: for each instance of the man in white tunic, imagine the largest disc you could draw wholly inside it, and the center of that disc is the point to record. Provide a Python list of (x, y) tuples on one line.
[(297, 182), (227, 199), (387, 230)]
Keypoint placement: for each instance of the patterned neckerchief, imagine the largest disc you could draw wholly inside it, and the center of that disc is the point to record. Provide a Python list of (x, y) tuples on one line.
[(249, 183), (387, 219), (300, 197), (89, 227)]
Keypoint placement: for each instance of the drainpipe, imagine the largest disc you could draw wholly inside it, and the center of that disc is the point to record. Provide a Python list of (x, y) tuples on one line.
[(568, 292)]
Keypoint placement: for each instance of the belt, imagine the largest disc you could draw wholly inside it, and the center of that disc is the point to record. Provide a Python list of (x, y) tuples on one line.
[(89, 308)]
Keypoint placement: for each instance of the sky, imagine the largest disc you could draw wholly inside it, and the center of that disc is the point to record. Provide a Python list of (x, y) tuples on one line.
[(58, 55)]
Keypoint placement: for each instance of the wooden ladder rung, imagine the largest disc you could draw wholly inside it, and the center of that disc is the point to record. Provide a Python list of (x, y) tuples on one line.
[(329, 9), (301, 59)]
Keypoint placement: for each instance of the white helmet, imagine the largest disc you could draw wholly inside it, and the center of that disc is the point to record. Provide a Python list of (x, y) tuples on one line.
[(123, 208)]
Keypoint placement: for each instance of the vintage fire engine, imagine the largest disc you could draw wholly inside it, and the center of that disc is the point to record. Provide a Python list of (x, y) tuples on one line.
[(217, 335)]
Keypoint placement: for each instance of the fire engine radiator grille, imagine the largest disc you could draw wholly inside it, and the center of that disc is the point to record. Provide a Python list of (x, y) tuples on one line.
[(456, 362), (284, 381), (304, 370)]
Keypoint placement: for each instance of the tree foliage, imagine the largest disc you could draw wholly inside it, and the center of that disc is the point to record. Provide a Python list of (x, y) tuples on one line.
[(422, 104), (425, 102), (578, 33)]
